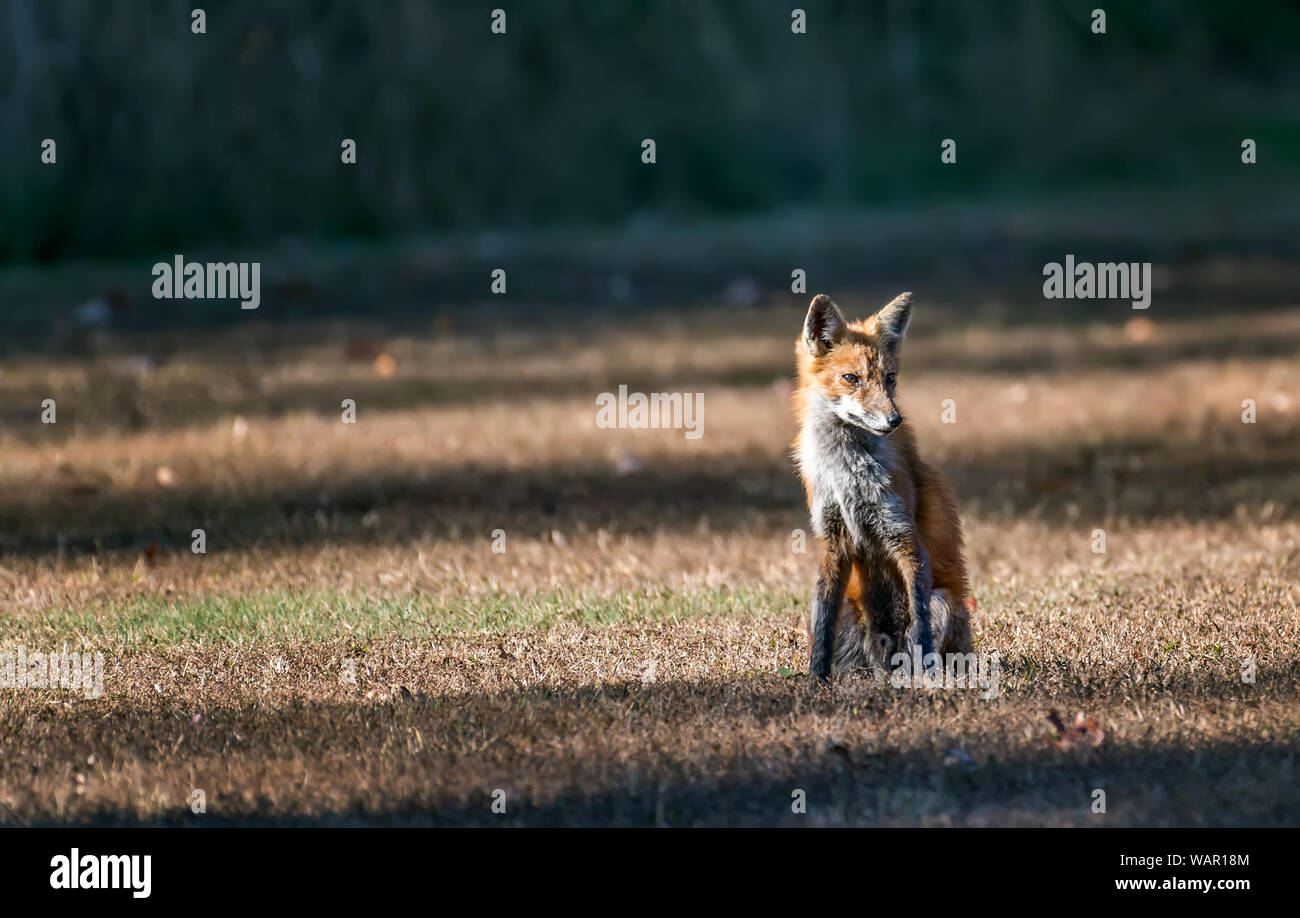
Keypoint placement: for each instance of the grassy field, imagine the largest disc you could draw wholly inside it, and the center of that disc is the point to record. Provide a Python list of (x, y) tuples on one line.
[(351, 648)]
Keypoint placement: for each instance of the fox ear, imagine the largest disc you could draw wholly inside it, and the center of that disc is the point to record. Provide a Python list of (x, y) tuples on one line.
[(824, 326), (894, 317)]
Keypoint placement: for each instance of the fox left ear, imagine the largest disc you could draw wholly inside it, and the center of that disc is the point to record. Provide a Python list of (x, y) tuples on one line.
[(824, 326), (894, 317)]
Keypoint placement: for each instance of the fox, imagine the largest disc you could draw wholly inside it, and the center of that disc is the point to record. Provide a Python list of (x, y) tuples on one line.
[(892, 572)]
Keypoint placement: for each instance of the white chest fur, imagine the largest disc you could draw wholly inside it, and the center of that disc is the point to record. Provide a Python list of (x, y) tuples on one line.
[(847, 471)]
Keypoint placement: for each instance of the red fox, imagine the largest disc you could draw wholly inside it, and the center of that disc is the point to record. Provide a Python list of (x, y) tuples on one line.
[(893, 554)]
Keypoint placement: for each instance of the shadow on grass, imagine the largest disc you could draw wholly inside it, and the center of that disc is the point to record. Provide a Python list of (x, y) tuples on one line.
[(109, 399), (546, 735), (1136, 480)]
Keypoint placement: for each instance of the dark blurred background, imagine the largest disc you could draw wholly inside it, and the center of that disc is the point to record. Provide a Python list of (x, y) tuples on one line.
[(775, 149)]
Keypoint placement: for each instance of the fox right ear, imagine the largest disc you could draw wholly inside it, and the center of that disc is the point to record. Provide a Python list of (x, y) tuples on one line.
[(824, 326)]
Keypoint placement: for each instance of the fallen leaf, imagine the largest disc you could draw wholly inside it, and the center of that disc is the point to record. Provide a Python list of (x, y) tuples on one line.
[(1087, 730), (1139, 330), (1084, 731), (385, 366)]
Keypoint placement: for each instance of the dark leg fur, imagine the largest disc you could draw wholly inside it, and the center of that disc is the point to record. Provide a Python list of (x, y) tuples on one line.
[(919, 630), (826, 609), (885, 606)]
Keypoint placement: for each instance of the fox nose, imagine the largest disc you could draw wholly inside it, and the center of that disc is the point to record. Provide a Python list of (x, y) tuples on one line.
[(894, 420)]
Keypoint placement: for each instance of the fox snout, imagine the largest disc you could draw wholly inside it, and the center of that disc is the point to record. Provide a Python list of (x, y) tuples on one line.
[(880, 417), (867, 402), (882, 423)]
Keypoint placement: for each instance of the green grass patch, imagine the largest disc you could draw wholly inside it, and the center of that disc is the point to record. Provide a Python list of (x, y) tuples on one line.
[(279, 616)]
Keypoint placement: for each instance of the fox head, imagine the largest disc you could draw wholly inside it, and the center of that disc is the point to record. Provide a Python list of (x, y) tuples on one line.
[(854, 365)]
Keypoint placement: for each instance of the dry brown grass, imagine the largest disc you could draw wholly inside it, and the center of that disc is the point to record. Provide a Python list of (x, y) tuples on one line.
[(670, 706), (677, 723)]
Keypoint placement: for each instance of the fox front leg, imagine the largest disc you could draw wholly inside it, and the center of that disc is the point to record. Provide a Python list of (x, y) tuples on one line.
[(916, 574), (827, 598)]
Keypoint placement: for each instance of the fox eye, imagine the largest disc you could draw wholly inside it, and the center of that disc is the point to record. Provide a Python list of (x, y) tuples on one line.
[(850, 379), (890, 378)]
